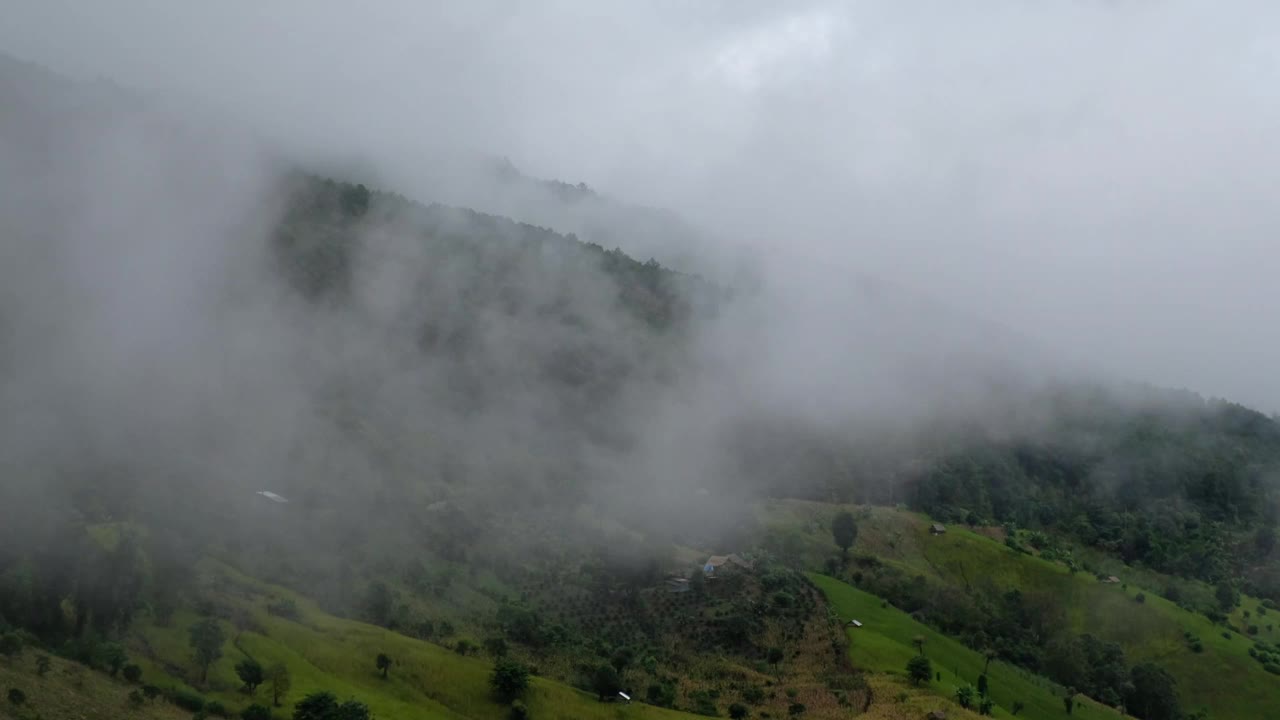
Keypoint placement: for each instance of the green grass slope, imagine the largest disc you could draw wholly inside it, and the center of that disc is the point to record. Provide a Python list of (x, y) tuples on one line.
[(71, 691), (885, 643), (1223, 677), (328, 653)]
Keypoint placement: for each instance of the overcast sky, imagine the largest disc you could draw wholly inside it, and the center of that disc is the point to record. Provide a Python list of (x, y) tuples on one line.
[(1102, 176)]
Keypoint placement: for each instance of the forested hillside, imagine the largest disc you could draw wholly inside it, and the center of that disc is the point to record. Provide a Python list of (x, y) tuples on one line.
[(230, 387)]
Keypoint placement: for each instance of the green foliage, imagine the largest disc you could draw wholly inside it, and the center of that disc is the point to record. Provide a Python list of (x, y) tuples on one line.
[(496, 647), (663, 694), (844, 530), (965, 695), (251, 673), (132, 673), (738, 711), (185, 699), (17, 697), (206, 639), (256, 712), (136, 698), (518, 711), (383, 663), (216, 709), (10, 644), (796, 709), (1017, 707), (774, 655), (982, 685), (605, 682), (919, 669), (279, 681), (509, 679), (324, 706), (985, 706), (1151, 694), (112, 657)]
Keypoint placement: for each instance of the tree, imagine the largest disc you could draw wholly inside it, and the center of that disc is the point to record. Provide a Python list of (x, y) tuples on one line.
[(256, 712), (10, 645), (113, 657), (132, 673), (251, 674), (738, 711), (982, 685), (509, 679), (919, 669), (1151, 693), (605, 681), (280, 681), (844, 529), (43, 664), (965, 695), (206, 641), (622, 659), (17, 697), (1227, 596), (383, 663)]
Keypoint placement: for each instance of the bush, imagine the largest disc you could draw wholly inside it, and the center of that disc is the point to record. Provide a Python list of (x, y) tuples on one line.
[(217, 709), (256, 712), (135, 698), (509, 679), (10, 644), (796, 709), (132, 673), (519, 711), (285, 608), (663, 694), (17, 697), (186, 700), (737, 711), (1141, 597), (753, 694)]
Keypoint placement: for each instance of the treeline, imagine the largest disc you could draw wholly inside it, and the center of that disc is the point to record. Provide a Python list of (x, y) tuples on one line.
[(1189, 488)]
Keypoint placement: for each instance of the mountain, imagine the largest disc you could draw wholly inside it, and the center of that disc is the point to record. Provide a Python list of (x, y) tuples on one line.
[(507, 441)]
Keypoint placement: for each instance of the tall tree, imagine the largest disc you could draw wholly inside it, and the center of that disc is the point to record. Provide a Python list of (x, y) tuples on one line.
[(251, 674), (206, 639), (844, 529), (280, 681), (919, 669)]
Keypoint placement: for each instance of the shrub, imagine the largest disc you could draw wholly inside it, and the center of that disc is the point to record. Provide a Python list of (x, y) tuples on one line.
[(796, 709), (256, 712), (215, 708), (135, 698), (738, 711), (1141, 597), (509, 679), (17, 697), (753, 694), (519, 711), (186, 700), (132, 673)]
